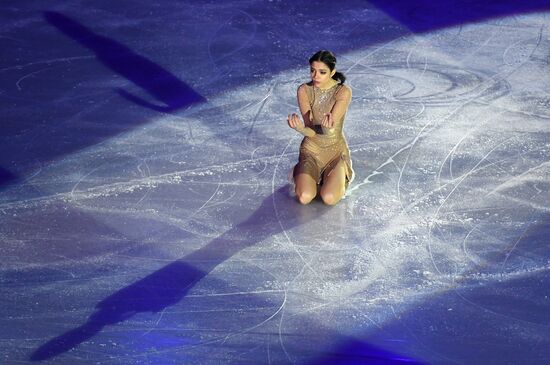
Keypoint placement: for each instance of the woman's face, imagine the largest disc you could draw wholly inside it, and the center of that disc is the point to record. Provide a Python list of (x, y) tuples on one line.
[(321, 75)]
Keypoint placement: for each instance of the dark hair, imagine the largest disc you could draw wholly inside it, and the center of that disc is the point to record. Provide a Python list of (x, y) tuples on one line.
[(328, 59)]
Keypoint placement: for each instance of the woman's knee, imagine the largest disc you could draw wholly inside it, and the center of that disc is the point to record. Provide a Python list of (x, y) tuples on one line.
[(331, 198), (304, 196), (306, 188)]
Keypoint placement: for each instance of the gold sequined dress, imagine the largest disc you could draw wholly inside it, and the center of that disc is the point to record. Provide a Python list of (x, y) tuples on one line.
[(320, 153)]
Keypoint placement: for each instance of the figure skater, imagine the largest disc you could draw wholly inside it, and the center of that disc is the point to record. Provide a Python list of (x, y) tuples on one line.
[(324, 162)]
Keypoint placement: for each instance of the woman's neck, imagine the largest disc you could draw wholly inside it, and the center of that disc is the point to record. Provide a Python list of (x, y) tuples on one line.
[(328, 85)]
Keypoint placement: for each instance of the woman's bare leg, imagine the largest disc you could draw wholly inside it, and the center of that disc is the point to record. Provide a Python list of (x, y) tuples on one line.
[(334, 184), (306, 188)]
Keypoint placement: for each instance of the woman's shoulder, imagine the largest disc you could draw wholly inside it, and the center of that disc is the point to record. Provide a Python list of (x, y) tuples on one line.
[(344, 91), (344, 88), (305, 86)]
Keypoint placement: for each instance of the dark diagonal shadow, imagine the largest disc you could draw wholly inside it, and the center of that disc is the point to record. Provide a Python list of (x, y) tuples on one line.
[(357, 352), (168, 94), (169, 285), (155, 80), (427, 15), (6, 177)]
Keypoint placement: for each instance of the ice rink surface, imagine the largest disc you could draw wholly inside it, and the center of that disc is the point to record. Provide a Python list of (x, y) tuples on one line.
[(145, 213)]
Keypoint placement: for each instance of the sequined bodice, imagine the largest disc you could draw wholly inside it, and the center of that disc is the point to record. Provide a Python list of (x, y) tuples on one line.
[(321, 103)]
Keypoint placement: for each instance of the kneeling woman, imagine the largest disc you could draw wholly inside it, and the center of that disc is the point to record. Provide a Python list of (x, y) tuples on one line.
[(324, 160)]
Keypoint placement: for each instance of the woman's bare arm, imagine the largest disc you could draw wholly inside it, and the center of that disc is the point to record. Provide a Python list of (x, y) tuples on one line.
[(336, 115), (305, 110)]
